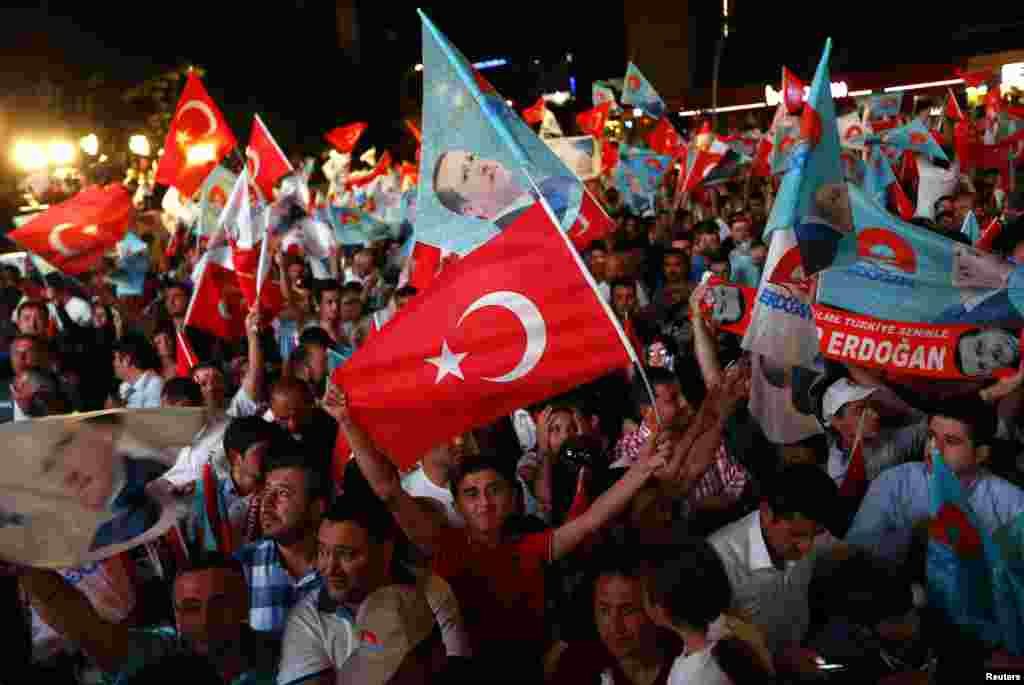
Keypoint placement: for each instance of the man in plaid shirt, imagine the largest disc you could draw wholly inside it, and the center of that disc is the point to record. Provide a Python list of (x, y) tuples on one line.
[(281, 568)]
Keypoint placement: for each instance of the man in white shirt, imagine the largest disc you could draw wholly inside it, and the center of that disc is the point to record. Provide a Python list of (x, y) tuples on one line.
[(430, 479), (208, 444), (768, 555), (58, 295), (356, 558), (134, 364)]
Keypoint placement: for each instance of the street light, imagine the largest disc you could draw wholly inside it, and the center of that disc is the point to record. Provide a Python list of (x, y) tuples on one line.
[(29, 156), (139, 145), (90, 144), (418, 67), (61, 152)]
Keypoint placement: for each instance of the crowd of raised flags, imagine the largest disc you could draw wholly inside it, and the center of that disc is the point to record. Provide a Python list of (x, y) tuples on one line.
[(492, 297)]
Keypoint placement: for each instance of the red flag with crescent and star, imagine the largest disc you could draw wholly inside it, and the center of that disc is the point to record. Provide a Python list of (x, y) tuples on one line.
[(514, 322), (199, 138), (75, 235), (344, 138), (218, 302), (266, 161), (793, 90), (664, 139)]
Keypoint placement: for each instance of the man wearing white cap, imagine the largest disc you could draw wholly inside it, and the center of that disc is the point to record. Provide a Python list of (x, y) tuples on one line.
[(848, 407)]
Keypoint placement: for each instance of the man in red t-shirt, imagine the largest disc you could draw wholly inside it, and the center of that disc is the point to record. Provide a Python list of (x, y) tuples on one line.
[(495, 564)]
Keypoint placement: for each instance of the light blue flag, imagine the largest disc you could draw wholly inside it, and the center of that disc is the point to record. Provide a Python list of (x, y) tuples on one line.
[(878, 176), (603, 93), (637, 176), (129, 278), (481, 165), (914, 136), (355, 227), (854, 168), (883, 106), (970, 578), (815, 160), (890, 269), (638, 92), (1008, 583), (213, 197), (970, 227)]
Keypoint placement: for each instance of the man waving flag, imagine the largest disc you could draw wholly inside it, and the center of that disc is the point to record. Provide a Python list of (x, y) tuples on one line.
[(516, 320)]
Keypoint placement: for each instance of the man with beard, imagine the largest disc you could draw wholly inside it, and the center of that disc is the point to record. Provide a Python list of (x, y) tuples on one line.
[(356, 556), (210, 608), (280, 569)]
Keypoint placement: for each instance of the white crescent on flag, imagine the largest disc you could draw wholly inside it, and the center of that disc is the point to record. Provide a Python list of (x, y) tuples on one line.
[(56, 243), (205, 109), (532, 321)]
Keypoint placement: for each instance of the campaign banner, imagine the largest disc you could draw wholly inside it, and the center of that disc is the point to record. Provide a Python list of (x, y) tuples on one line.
[(582, 154), (637, 177), (937, 351)]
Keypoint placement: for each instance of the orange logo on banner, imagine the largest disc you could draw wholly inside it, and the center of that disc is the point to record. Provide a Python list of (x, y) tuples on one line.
[(882, 246)]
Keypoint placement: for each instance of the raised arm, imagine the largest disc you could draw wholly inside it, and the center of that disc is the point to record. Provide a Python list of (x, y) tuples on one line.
[(609, 505), (382, 475), (70, 614), (253, 381), (705, 346)]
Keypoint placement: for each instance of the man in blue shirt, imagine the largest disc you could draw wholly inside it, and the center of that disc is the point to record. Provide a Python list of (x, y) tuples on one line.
[(209, 610), (899, 499), (281, 568)]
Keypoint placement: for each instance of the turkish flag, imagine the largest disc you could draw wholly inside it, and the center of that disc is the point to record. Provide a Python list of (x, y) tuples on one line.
[(855, 485), (76, 234), (973, 79), (344, 138), (218, 303), (409, 171), (535, 113), (266, 161), (760, 166), (792, 91), (247, 264), (512, 323), (383, 167), (593, 120), (953, 110), (185, 358), (592, 224), (664, 139), (609, 156), (900, 200), (199, 138), (989, 235), (426, 261)]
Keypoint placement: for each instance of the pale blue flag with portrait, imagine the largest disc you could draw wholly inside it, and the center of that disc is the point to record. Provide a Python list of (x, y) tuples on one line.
[(637, 91), (637, 176), (481, 166)]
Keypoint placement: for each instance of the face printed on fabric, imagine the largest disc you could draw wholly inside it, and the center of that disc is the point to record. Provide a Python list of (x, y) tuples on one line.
[(975, 269), (675, 269), (33, 321), (211, 607), (176, 301), (247, 469), (485, 500), (832, 203), (471, 186), (790, 539), (211, 383), (727, 304), (286, 514), (561, 427), (953, 440), (979, 353), (351, 564), (619, 615)]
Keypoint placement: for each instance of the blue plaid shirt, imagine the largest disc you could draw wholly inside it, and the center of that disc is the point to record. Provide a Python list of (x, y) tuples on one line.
[(272, 590)]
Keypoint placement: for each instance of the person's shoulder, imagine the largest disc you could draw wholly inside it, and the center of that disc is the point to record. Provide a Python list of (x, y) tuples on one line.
[(254, 552), (1004, 489), (725, 537)]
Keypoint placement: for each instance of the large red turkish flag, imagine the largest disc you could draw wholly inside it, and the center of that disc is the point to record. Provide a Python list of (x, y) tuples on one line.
[(74, 235), (218, 304), (344, 138), (266, 161), (199, 138), (512, 323)]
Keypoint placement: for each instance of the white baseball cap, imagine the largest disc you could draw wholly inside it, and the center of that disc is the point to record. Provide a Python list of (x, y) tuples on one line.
[(841, 393)]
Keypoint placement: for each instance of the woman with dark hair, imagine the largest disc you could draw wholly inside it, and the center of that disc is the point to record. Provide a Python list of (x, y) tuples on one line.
[(689, 595), (617, 642)]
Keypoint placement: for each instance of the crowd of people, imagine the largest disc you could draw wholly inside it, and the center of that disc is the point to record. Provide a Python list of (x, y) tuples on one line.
[(607, 535)]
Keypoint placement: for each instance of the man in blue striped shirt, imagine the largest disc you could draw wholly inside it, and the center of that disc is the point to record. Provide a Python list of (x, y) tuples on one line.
[(281, 568)]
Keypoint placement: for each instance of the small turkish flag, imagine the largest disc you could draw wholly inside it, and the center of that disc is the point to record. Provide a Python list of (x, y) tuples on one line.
[(792, 91), (989, 235), (344, 138), (900, 200), (266, 161), (75, 235), (383, 167), (514, 322), (664, 139), (218, 304), (535, 113), (247, 265), (953, 110), (199, 138), (185, 358), (609, 156), (592, 224), (855, 485), (592, 121), (973, 79)]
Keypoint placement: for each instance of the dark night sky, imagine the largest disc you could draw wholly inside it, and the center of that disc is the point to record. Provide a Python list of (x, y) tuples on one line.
[(281, 58)]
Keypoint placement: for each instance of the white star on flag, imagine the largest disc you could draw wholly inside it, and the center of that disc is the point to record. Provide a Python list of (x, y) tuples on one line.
[(447, 363)]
